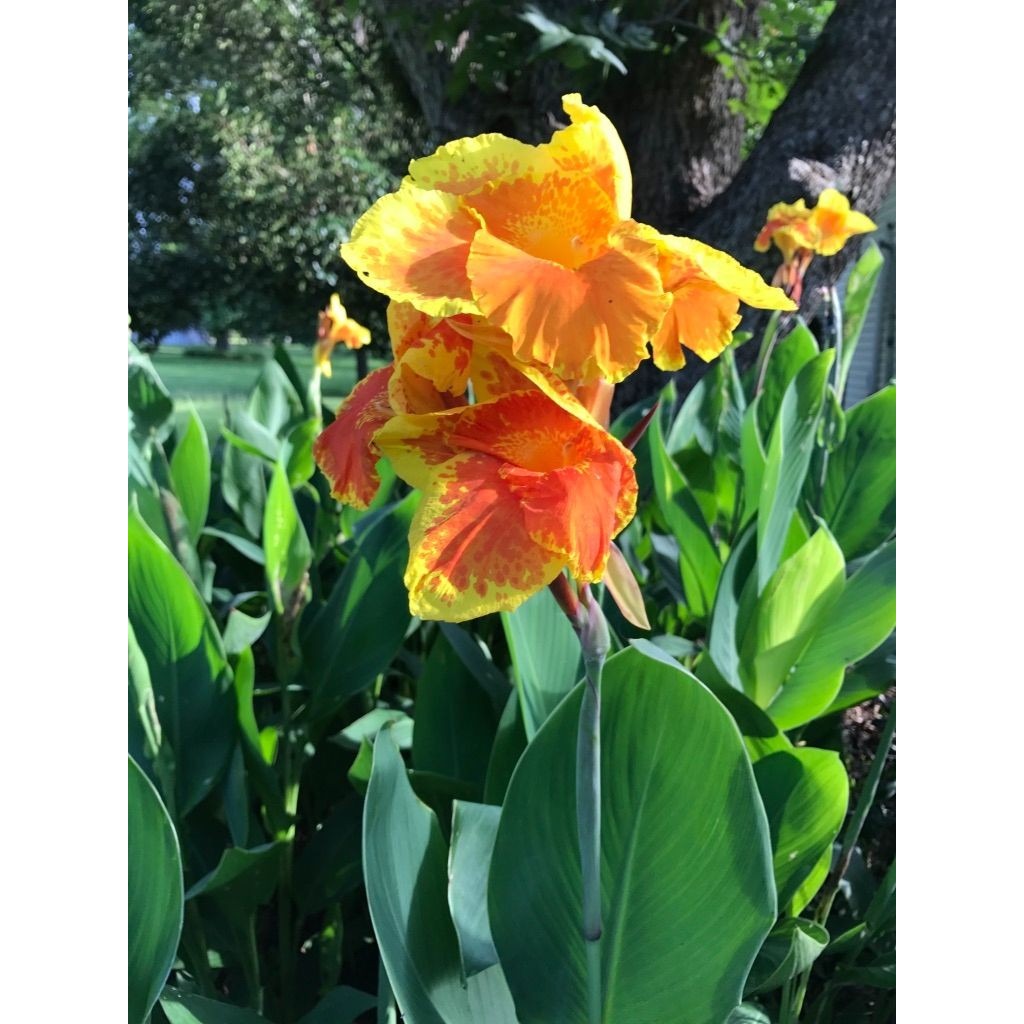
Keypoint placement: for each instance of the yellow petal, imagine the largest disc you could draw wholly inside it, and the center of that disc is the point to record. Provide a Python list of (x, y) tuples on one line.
[(412, 246), (466, 165), (590, 147)]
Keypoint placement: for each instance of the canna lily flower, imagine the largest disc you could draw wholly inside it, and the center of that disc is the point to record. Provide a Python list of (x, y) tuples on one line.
[(515, 491), (799, 233), (535, 239), (345, 452), (335, 326), (707, 287), (789, 227), (835, 223)]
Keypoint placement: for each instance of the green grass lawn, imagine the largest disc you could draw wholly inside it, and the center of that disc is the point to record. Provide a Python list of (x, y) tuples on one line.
[(214, 385)]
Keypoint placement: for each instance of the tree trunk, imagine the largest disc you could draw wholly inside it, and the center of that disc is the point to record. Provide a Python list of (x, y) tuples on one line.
[(836, 128)]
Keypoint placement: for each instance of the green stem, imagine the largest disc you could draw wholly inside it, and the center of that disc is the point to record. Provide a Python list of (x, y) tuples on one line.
[(193, 938), (768, 346), (251, 966), (290, 772), (594, 640), (850, 837), (837, 342)]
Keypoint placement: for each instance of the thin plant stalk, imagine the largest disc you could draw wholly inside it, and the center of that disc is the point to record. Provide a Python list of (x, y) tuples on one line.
[(771, 336), (837, 336), (594, 640)]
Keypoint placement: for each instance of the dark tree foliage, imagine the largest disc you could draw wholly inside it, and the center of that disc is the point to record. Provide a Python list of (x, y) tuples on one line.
[(258, 131)]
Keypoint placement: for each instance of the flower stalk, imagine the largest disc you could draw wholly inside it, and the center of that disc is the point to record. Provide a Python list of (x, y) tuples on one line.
[(592, 631)]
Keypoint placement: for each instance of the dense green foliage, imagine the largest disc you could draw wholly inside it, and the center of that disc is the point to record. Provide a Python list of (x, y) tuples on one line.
[(257, 132), (374, 810)]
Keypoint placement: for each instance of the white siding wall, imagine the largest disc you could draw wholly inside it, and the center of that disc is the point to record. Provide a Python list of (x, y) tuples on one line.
[(874, 362)]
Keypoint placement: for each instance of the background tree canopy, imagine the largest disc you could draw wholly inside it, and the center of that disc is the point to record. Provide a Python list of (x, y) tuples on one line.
[(259, 131)]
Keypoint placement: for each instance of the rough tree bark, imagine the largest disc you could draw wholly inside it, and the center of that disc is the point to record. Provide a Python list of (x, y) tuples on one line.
[(837, 127)]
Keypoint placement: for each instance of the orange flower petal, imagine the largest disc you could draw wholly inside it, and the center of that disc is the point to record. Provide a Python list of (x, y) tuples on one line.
[(588, 322), (412, 245), (591, 148), (566, 487), (431, 361), (345, 452), (836, 223), (706, 286), (470, 552), (563, 218)]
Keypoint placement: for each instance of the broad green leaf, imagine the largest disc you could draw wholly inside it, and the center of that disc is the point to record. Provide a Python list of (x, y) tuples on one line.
[(509, 744), (354, 636), (274, 402), (789, 950), (699, 416), (870, 677), (545, 656), (243, 485), (187, 1008), (149, 402), (478, 661), (788, 613), (405, 866), (724, 634), (808, 888), (761, 736), (187, 664), (366, 727), (747, 1013), (699, 561), (805, 793), (297, 451), (672, 761), (155, 895), (474, 827), (455, 720), (190, 475), (860, 287), (142, 696), (341, 1005), (753, 460), (285, 544), (241, 630), (243, 546), (330, 866), (242, 879), (862, 617), (789, 455), (859, 500), (789, 358)]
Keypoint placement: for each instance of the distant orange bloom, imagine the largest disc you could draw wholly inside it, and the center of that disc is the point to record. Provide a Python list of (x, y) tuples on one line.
[(334, 327), (799, 233)]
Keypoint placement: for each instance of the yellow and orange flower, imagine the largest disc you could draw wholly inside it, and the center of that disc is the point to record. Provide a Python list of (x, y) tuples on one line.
[(514, 491), (335, 326), (536, 239), (345, 451), (521, 291), (823, 230), (707, 287), (835, 223)]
